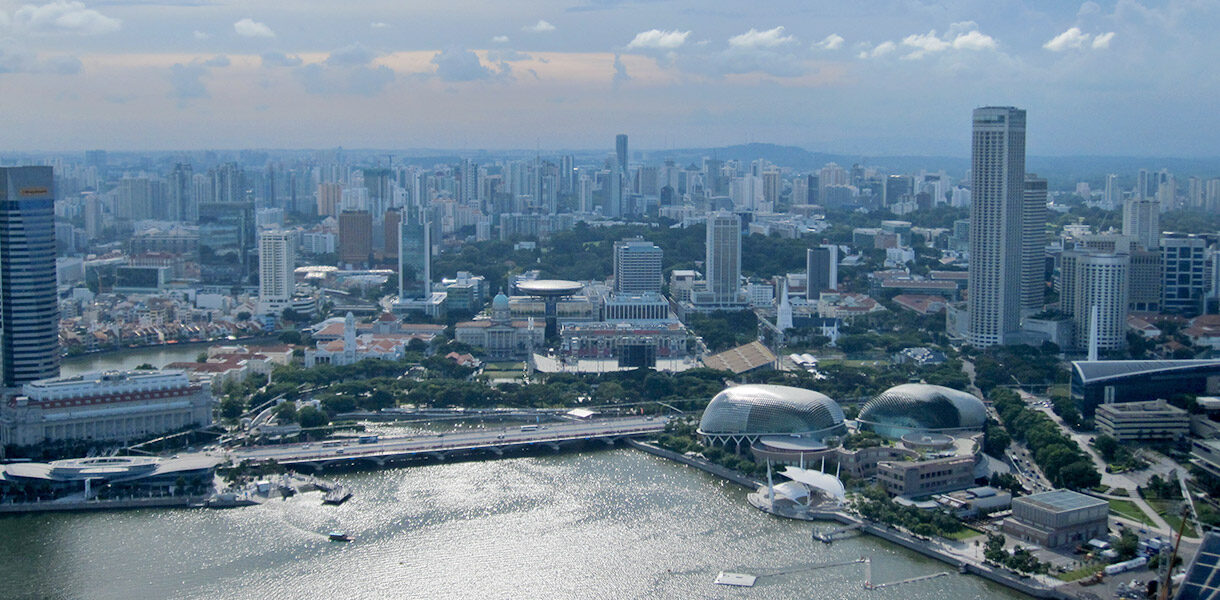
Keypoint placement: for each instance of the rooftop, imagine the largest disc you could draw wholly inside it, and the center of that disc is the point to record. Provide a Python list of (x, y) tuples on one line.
[(741, 359), (1090, 371), (1063, 500)]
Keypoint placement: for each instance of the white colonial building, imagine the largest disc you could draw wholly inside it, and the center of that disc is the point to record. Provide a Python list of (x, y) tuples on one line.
[(105, 406)]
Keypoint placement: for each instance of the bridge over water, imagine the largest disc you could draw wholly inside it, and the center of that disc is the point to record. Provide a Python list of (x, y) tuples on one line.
[(444, 446)]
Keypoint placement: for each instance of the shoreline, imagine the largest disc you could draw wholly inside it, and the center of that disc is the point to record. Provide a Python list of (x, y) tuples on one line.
[(116, 351), (883, 532)]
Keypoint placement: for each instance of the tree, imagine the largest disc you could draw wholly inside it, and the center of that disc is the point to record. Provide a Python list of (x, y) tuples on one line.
[(231, 408), (146, 367), (1079, 475), (1106, 446), (310, 417), (290, 336)]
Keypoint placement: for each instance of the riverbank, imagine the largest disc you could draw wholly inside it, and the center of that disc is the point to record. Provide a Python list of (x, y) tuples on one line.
[(157, 355)]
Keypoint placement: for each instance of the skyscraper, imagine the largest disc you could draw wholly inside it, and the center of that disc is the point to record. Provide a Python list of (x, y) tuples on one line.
[(637, 266), (29, 310), (821, 270), (355, 237), (276, 262), (414, 255), (1101, 281), (996, 232), (1033, 245), (1183, 273), (182, 206), (723, 260), (1142, 220), (620, 152)]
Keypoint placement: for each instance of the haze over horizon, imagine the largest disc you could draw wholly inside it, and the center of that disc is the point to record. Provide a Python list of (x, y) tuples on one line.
[(1097, 78)]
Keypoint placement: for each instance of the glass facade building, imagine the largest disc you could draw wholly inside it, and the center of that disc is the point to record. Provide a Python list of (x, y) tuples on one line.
[(29, 308), (922, 408), (746, 412)]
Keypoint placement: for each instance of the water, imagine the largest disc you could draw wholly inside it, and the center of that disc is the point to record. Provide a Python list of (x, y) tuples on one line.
[(157, 356), (609, 524)]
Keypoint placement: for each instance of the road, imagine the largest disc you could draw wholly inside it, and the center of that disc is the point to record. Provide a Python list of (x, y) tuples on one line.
[(547, 432)]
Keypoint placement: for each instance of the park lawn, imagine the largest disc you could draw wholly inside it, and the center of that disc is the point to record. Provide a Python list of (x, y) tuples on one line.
[(1170, 511), (1128, 509), (964, 533), (1080, 573), (504, 366)]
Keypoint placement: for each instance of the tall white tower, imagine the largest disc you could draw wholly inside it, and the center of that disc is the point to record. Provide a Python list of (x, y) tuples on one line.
[(276, 262), (996, 219)]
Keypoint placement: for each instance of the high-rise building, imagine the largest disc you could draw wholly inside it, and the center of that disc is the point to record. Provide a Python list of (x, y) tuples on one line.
[(723, 259), (330, 196), (821, 270), (1145, 281), (276, 262), (620, 152), (228, 183), (996, 232), (182, 205), (389, 228), (1183, 273), (1097, 284), (1112, 195), (355, 237), (771, 187), (414, 255), (1033, 245), (1142, 220), (29, 308), (637, 267), (468, 190)]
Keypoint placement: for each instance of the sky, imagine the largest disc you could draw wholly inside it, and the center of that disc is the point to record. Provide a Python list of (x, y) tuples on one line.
[(1108, 78)]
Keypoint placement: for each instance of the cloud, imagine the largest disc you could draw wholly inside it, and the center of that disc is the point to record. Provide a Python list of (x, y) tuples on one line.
[(500, 39), (380, 25), (539, 27), (1088, 8), (456, 64), (18, 59), (501, 55), (961, 36), (63, 16), (186, 81), (761, 39), (1072, 38), (62, 65), (656, 38), (833, 41), (620, 72), (325, 79), (248, 27), (352, 55), (279, 59), (882, 49), (200, 35), (217, 61), (1102, 41)]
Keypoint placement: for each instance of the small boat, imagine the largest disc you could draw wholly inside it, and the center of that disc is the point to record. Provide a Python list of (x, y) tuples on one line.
[(339, 536)]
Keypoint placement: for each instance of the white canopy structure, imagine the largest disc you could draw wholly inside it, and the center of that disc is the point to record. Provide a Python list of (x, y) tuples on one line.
[(824, 482)]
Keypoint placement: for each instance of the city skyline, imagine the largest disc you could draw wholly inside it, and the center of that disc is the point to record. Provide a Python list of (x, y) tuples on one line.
[(126, 75)]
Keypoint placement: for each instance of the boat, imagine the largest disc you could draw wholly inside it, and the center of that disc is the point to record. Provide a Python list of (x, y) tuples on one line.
[(339, 536), (336, 496)]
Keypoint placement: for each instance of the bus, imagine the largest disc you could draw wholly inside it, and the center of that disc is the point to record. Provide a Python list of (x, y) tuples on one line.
[(529, 428)]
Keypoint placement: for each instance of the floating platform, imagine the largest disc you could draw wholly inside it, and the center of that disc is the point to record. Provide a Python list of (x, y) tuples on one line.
[(336, 496), (736, 579)]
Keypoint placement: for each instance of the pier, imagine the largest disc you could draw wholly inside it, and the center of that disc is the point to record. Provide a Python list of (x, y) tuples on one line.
[(839, 533)]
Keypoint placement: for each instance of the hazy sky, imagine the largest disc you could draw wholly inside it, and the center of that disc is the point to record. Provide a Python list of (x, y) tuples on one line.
[(1110, 78)]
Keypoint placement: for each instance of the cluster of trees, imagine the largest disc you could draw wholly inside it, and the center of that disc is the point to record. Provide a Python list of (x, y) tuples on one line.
[(1118, 456), (1021, 364), (680, 436), (1020, 560), (862, 439), (722, 330), (995, 438), (1059, 457), (874, 504)]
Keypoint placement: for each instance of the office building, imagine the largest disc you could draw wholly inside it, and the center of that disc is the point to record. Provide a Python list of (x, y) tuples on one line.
[(637, 267), (1142, 220), (1183, 273), (104, 406), (1096, 284), (997, 234), (1145, 278), (414, 255), (1058, 518), (822, 270), (330, 197), (1142, 421), (355, 237), (921, 478), (29, 308), (1202, 580), (276, 262), (1097, 382), (723, 257), (1033, 245)]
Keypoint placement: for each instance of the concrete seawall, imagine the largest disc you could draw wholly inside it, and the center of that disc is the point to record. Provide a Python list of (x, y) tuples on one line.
[(129, 503), (703, 465)]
